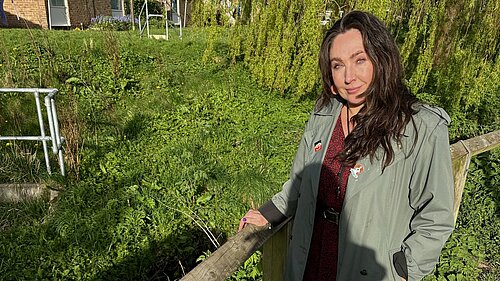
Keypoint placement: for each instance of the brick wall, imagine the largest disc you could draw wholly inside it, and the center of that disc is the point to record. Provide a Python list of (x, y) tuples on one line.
[(34, 13), (81, 11), (31, 12)]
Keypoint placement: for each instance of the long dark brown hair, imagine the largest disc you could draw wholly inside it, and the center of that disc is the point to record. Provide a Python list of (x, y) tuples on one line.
[(388, 102)]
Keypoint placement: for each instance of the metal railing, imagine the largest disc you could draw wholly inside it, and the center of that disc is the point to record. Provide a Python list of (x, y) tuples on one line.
[(54, 136), (227, 259), (147, 16)]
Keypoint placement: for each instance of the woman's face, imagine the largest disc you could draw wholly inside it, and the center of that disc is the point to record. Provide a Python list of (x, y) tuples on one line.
[(352, 69)]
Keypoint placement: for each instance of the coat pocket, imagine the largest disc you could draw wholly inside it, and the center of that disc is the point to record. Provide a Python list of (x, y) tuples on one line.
[(397, 261)]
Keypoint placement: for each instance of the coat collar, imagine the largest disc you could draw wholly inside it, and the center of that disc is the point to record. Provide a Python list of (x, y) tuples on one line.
[(326, 117), (330, 109)]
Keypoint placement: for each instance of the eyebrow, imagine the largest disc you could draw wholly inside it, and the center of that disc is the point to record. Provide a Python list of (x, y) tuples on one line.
[(352, 56)]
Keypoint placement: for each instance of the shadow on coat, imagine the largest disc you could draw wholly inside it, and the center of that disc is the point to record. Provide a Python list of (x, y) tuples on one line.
[(370, 270)]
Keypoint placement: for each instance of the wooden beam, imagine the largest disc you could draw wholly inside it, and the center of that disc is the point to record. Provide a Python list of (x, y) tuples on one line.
[(226, 260), (476, 145)]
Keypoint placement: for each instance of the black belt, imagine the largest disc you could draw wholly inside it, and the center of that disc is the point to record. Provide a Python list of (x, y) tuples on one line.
[(331, 215)]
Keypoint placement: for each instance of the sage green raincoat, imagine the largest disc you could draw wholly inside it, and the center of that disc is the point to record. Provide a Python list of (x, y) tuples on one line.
[(407, 208)]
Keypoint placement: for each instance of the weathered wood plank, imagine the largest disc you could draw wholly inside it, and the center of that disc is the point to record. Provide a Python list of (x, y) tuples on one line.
[(476, 145), (226, 260), (460, 167)]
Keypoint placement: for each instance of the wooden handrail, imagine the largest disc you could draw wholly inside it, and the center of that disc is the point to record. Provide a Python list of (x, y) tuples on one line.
[(226, 260)]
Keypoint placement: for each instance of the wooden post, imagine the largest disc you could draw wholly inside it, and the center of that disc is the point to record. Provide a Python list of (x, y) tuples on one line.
[(460, 166), (274, 254)]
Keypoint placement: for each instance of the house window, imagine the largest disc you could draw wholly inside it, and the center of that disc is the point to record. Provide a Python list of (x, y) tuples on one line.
[(57, 3), (116, 5)]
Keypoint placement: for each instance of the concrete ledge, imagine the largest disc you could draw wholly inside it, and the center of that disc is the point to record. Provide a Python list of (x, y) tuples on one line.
[(14, 193), (158, 37)]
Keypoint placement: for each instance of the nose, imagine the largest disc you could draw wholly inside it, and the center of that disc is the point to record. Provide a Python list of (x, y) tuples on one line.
[(350, 74)]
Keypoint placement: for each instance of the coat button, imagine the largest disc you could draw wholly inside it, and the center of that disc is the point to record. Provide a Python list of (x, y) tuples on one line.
[(363, 272)]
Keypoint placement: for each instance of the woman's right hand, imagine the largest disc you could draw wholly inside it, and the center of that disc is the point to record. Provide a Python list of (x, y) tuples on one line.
[(252, 217)]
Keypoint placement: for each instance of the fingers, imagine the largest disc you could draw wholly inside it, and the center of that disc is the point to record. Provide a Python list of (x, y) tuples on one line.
[(252, 217), (242, 224), (255, 217)]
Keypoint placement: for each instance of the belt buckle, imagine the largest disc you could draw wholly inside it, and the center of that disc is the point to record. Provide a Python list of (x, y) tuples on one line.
[(331, 215)]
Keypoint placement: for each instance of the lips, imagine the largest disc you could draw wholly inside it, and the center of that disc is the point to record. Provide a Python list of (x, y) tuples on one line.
[(353, 90)]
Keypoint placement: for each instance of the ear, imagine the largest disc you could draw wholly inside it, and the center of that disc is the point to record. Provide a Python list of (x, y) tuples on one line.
[(334, 90)]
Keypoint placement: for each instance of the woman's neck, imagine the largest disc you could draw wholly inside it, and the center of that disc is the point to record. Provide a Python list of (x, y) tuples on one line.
[(345, 117), (354, 109)]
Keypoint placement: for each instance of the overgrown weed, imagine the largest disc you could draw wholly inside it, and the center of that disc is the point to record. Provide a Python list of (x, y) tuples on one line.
[(21, 162)]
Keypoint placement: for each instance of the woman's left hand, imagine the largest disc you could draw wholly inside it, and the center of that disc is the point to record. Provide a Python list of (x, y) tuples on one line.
[(252, 217)]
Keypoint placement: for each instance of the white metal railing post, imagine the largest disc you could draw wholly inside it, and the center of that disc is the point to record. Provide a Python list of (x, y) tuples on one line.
[(147, 16), (55, 136), (185, 11), (179, 17), (51, 122), (42, 131), (141, 28), (175, 10)]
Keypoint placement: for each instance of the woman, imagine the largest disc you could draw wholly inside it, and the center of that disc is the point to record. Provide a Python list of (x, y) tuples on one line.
[(371, 185), (2, 14)]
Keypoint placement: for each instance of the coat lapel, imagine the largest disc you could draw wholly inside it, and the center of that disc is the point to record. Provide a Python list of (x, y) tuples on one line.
[(321, 133), (371, 171)]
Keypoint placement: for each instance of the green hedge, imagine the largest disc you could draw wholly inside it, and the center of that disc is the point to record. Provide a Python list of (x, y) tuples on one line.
[(450, 49)]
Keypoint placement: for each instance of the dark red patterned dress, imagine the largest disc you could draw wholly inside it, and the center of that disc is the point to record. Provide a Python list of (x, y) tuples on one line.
[(323, 254)]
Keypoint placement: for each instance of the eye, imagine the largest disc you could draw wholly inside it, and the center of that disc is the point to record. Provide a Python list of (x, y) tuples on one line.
[(361, 60), (336, 66)]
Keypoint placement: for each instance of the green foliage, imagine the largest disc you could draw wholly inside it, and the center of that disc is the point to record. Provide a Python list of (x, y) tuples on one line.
[(449, 48), (21, 162), (250, 270), (279, 46), (170, 152)]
